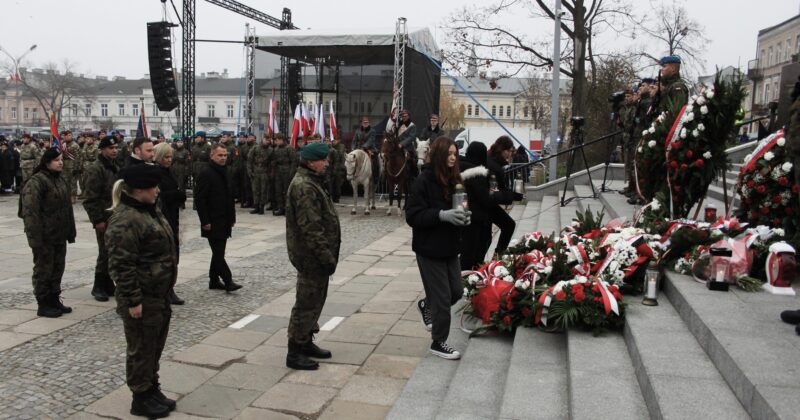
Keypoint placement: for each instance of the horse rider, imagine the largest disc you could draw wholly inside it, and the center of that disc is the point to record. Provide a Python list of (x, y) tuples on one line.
[(407, 137), (365, 139)]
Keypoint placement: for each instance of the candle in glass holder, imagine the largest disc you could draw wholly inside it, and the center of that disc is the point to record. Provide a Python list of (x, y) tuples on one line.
[(711, 213)]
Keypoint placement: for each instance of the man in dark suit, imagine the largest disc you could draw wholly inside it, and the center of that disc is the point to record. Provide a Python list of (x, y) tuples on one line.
[(217, 213)]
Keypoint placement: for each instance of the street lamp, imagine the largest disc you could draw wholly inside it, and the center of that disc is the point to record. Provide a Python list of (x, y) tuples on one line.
[(17, 78)]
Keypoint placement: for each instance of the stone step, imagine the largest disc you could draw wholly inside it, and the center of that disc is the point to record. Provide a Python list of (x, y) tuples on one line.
[(616, 205), (756, 354), (516, 213), (602, 381), (593, 205), (476, 390), (676, 376), (567, 212), (536, 385), (549, 219), (717, 193), (527, 223)]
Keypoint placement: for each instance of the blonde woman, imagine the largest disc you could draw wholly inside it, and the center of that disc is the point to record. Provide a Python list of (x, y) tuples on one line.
[(170, 199)]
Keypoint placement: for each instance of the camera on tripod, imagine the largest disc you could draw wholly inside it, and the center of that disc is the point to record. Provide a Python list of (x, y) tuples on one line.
[(577, 122)]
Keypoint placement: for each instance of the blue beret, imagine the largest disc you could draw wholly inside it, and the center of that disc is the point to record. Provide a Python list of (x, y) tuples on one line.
[(200, 134), (314, 151), (669, 59)]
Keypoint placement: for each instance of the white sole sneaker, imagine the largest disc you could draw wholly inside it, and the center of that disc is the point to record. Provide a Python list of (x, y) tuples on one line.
[(428, 327), (449, 356)]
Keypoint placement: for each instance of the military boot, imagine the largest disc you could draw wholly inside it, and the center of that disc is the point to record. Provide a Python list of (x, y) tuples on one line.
[(296, 360), (268, 206), (55, 301), (46, 308), (257, 209), (312, 350), (98, 291), (146, 404), (279, 212), (161, 398)]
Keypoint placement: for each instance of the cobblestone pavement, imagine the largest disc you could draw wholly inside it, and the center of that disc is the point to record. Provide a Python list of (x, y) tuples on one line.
[(64, 365)]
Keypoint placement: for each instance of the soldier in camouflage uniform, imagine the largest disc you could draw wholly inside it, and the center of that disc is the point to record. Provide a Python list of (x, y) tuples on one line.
[(627, 120), (258, 166), (71, 171), (674, 93), (643, 117), (284, 164), (199, 157), (337, 171), (143, 263), (29, 157), (88, 156), (100, 177), (46, 210), (180, 161), (231, 164), (246, 143), (313, 238)]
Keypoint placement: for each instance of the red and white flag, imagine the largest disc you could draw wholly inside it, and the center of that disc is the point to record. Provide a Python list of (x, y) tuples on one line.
[(332, 123), (320, 121), (272, 122), (297, 125), (307, 120)]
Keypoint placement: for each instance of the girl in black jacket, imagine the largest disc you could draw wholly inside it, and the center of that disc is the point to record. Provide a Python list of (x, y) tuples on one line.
[(477, 237), (499, 156), (435, 239)]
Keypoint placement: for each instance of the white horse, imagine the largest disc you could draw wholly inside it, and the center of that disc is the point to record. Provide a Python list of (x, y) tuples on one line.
[(422, 151), (359, 172)]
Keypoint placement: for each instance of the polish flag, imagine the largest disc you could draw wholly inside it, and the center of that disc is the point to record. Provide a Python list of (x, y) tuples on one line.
[(272, 122), (296, 125), (307, 120), (332, 123), (320, 121)]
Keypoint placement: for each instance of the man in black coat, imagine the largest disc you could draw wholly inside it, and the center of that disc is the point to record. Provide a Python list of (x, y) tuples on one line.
[(142, 151), (217, 212)]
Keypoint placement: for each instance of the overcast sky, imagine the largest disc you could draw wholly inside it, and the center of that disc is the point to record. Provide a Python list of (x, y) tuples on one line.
[(108, 37)]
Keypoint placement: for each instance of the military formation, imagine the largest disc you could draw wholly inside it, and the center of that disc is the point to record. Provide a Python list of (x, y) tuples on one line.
[(641, 106)]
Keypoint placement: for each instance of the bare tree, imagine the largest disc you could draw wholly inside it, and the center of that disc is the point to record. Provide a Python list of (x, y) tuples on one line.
[(676, 33), (536, 99), (478, 35), (451, 114), (56, 88)]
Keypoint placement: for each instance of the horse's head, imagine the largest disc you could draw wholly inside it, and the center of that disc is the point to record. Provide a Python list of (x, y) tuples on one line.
[(350, 164), (389, 144), (422, 150)]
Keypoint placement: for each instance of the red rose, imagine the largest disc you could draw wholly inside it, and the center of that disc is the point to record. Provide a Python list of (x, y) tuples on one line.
[(684, 166), (641, 181), (549, 244), (561, 295), (783, 181), (776, 222), (673, 165), (579, 297), (776, 199), (509, 306), (598, 299), (751, 184), (699, 163), (676, 145), (787, 210), (765, 210), (526, 312), (577, 288), (761, 189), (507, 320), (796, 188), (677, 188), (657, 222)]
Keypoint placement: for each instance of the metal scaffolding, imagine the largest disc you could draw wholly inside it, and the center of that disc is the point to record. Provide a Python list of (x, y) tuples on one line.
[(187, 73), (252, 41), (400, 42)]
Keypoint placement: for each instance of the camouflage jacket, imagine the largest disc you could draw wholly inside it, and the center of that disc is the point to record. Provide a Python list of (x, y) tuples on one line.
[(100, 177), (675, 93), (260, 159), (627, 119), (244, 151), (284, 157), (46, 210), (313, 235), (72, 165), (89, 155), (340, 153), (141, 253), (233, 155), (643, 118), (200, 152), (180, 156), (29, 155)]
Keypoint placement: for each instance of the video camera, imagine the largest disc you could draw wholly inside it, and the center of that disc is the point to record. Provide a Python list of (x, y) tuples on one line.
[(577, 122)]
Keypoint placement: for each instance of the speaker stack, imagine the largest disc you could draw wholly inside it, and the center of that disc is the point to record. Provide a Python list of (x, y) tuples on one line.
[(162, 76)]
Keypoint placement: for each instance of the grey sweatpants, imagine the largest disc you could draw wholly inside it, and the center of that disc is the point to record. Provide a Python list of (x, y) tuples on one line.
[(443, 289)]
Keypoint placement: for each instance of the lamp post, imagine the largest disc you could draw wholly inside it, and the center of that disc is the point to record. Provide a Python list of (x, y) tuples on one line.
[(16, 77)]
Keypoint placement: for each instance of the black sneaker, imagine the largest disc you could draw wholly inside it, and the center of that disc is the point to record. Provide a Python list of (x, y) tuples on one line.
[(426, 315), (791, 317), (100, 295), (443, 350)]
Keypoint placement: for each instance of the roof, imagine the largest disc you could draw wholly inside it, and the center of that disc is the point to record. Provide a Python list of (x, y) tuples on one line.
[(507, 85), (771, 28), (215, 86), (352, 46)]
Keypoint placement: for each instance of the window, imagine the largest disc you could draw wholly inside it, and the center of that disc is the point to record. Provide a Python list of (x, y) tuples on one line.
[(230, 110), (35, 113), (177, 112), (775, 91), (494, 109), (766, 92), (26, 114), (121, 110), (87, 109), (508, 111), (477, 110), (103, 110), (135, 110), (769, 57), (469, 110), (13, 113), (501, 110), (525, 112), (369, 107), (1, 113), (362, 107), (788, 50), (778, 52), (385, 108), (155, 109), (797, 44), (211, 111), (74, 110)]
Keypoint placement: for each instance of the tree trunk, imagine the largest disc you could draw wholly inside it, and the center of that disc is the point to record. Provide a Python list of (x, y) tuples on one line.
[(580, 91)]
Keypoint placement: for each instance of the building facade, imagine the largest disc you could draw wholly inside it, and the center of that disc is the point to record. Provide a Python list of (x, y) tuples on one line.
[(777, 51)]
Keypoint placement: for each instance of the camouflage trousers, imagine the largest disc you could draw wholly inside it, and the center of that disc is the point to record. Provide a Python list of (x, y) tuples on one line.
[(102, 280), (179, 172), (72, 182), (336, 180), (262, 189), (628, 154), (281, 180), (312, 290), (48, 268), (27, 173), (145, 338)]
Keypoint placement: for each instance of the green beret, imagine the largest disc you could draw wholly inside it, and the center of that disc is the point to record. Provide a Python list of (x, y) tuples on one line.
[(314, 151)]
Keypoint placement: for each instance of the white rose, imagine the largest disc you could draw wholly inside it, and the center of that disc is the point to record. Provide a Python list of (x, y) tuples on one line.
[(472, 279), (694, 98), (518, 284), (640, 149), (548, 270), (466, 292), (695, 133), (704, 110), (701, 127), (690, 117), (710, 94), (769, 156), (778, 231), (707, 155), (683, 133), (645, 132), (651, 130), (508, 279), (655, 205), (787, 166), (500, 271), (781, 142), (701, 100), (651, 144)]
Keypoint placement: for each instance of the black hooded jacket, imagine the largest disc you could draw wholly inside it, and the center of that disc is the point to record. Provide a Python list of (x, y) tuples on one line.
[(475, 175), (431, 237)]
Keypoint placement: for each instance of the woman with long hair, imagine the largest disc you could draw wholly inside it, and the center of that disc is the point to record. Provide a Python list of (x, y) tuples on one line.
[(45, 207), (143, 263), (170, 200), (499, 156), (436, 228)]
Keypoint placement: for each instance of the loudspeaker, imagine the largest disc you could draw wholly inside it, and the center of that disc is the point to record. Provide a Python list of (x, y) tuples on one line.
[(162, 76), (295, 85)]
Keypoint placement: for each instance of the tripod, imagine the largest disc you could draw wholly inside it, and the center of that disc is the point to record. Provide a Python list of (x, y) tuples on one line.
[(609, 149), (576, 138)]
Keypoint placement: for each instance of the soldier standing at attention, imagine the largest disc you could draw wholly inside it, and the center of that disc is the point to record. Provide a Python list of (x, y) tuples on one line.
[(313, 238), (246, 142), (199, 157), (88, 156), (284, 164), (71, 172), (674, 93), (258, 166), (143, 263), (29, 156), (338, 171), (100, 177), (46, 210), (180, 161), (627, 121)]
